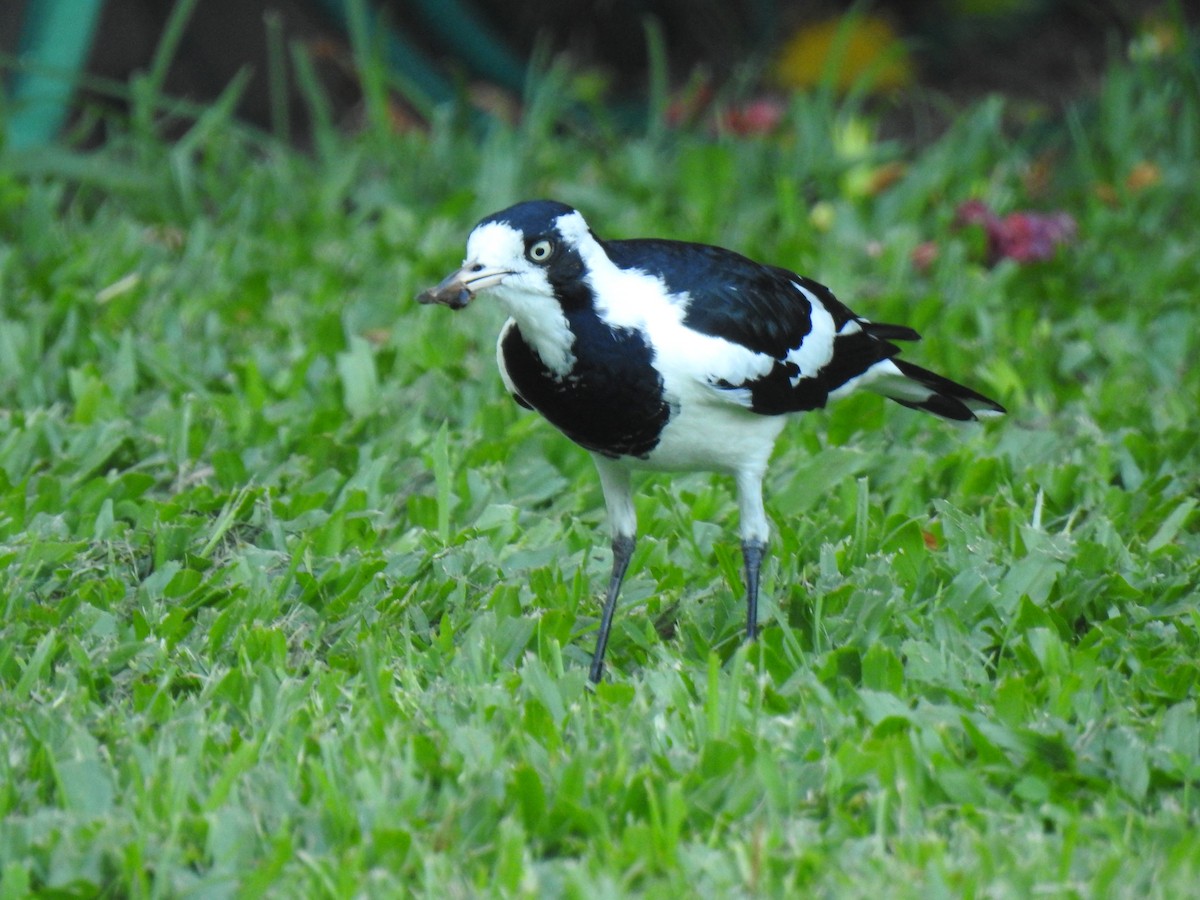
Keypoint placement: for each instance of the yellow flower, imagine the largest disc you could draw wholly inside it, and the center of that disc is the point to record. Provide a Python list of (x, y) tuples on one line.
[(863, 48)]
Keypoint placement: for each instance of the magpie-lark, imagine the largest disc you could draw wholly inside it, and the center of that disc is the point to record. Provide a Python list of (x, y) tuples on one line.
[(659, 354)]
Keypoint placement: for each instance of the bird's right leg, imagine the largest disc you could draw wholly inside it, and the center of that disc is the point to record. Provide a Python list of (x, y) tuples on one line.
[(618, 497)]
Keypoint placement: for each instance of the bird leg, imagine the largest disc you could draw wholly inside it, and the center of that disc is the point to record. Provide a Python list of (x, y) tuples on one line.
[(753, 552), (622, 523), (755, 528), (622, 547)]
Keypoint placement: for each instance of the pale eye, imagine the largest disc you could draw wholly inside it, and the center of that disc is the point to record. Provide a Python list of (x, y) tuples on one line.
[(540, 251)]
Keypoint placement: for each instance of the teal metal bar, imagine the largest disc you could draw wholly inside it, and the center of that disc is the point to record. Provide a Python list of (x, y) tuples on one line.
[(55, 41)]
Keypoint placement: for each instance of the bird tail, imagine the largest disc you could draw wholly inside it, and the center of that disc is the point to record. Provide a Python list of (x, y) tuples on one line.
[(919, 388)]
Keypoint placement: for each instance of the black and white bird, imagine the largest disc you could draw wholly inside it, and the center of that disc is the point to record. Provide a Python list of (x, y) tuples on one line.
[(664, 355)]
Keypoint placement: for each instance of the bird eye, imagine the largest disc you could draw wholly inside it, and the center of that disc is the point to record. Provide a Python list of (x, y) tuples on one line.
[(540, 251)]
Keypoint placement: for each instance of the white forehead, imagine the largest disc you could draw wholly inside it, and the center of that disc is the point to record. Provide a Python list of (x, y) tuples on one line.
[(500, 241), (495, 242)]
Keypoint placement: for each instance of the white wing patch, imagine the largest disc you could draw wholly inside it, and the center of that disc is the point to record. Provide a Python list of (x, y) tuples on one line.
[(694, 366), (816, 347)]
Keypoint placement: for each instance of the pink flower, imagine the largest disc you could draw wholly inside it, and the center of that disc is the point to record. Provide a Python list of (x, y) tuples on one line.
[(1024, 237), (760, 116), (924, 255)]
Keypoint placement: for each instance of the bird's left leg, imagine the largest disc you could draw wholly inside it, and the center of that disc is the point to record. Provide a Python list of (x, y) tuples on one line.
[(622, 520), (755, 529), (753, 552)]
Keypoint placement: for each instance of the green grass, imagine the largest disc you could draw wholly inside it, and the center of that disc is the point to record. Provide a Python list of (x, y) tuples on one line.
[(296, 602)]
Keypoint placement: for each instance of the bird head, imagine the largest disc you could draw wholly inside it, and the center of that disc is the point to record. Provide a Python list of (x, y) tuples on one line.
[(529, 256)]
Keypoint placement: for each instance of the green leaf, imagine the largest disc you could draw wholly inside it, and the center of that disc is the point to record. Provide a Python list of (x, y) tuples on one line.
[(882, 670), (360, 380), (1172, 525), (86, 786)]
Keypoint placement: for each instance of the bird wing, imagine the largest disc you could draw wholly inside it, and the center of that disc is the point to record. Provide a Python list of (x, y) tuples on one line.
[(816, 342)]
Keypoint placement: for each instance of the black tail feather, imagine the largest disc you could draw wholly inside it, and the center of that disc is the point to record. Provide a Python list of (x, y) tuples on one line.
[(944, 397), (886, 332)]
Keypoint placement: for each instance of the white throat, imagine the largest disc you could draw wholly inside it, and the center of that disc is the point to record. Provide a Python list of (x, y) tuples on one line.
[(526, 293), (542, 324)]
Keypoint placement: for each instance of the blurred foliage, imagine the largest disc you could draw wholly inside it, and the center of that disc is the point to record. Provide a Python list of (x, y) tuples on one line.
[(295, 601)]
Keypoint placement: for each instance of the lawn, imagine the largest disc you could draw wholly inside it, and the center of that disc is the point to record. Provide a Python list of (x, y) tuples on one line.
[(296, 601)]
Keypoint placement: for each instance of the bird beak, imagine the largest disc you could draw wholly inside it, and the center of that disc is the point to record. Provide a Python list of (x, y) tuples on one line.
[(459, 288)]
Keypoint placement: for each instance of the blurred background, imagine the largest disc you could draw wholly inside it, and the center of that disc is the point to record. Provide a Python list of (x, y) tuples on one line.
[(68, 65)]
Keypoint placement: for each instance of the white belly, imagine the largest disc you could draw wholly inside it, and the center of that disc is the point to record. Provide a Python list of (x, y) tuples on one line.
[(714, 437)]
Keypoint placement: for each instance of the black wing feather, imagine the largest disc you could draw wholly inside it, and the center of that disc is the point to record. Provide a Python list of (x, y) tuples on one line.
[(759, 306), (732, 297)]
